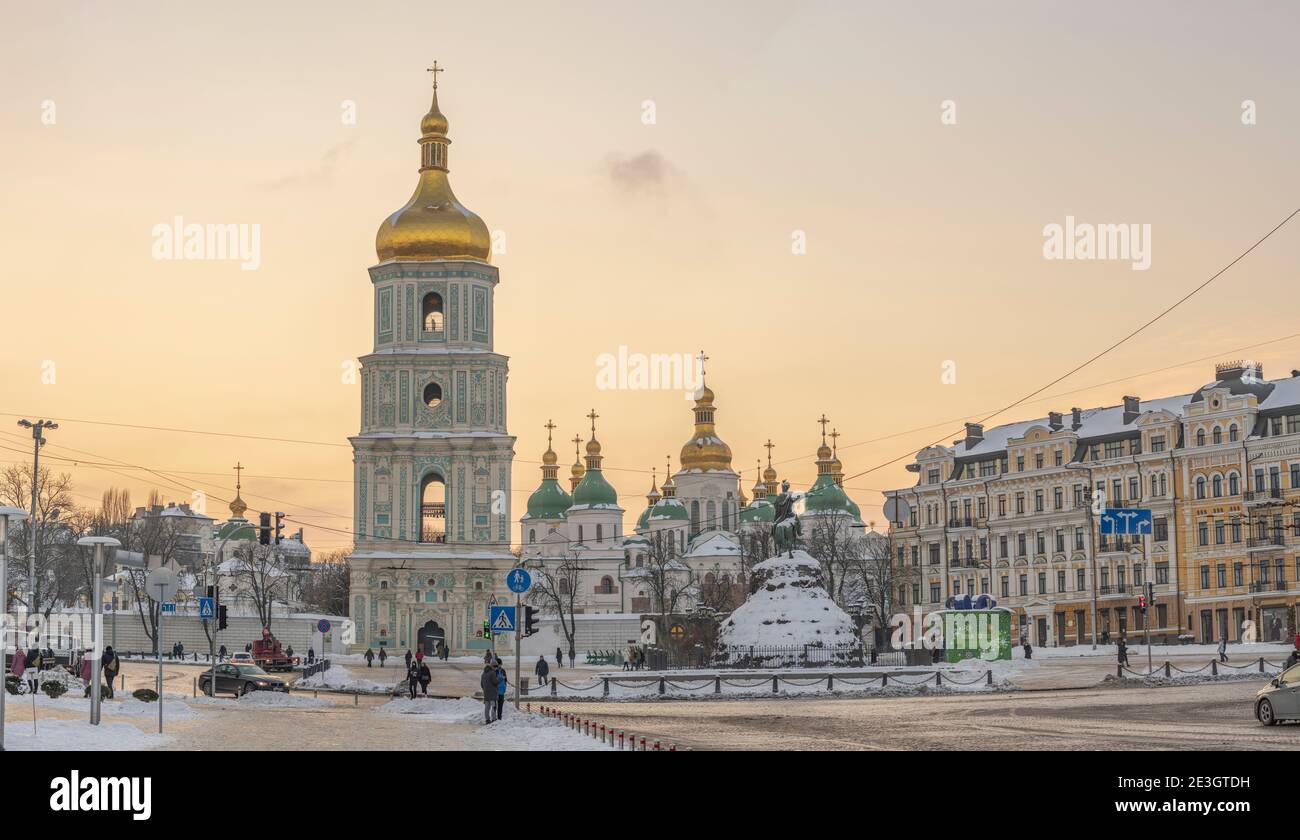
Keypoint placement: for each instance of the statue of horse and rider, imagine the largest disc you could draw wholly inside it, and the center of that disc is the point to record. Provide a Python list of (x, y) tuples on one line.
[(786, 528)]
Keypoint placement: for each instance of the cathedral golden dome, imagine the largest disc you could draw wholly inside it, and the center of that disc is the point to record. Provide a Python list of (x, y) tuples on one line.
[(705, 451), (433, 224)]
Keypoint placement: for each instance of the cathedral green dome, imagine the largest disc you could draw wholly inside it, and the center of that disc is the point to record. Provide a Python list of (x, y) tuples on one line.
[(825, 496), (549, 501), (642, 520), (669, 508), (594, 490), (759, 510)]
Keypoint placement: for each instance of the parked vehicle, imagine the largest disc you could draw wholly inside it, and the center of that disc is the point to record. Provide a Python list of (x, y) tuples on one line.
[(268, 653), (241, 679), (1280, 699)]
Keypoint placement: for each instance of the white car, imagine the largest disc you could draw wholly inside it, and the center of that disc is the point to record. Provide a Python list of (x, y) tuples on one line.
[(1280, 699), (242, 658)]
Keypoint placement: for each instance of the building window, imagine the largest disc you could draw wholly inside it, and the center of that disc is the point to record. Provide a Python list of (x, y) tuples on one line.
[(1205, 577), (1200, 437), (1080, 580), (1024, 584), (432, 395), (431, 312)]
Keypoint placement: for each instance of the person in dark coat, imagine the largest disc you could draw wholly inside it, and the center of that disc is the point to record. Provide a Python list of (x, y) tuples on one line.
[(1105, 637), (180, 650), (311, 656), (1223, 648), (369, 655), (541, 669), (501, 688), (488, 682), (110, 665), (559, 659), (383, 656), (572, 656), (423, 676), (221, 653), (409, 656), (1121, 651), (248, 648), (412, 679), (1029, 650)]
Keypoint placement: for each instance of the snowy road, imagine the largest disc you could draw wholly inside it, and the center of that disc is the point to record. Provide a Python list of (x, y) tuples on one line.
[(1208, 716)]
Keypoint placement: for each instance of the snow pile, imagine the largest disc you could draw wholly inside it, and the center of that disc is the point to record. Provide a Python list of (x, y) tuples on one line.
[(339, 678), (464, 710), (528, 731), (264, 699), (789, 609), (123, 706), (78, 735)]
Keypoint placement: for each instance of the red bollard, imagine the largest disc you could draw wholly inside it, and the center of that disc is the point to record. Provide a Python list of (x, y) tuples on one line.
[(643, 745), (602, 733), (656, 746), (672, 748), (620, 739)]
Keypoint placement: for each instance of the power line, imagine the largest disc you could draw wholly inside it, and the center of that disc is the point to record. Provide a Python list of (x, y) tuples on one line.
[(1109, 349)]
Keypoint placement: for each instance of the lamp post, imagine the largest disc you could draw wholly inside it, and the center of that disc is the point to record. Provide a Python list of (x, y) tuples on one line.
[(96, 636), (7, 515), (38, 440)]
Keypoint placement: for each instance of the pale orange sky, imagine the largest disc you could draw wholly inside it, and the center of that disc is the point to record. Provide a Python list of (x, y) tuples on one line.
[(924, 239)]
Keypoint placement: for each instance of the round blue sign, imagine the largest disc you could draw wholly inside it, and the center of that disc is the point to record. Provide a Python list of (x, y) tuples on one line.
[(519, 580), (323, 625)]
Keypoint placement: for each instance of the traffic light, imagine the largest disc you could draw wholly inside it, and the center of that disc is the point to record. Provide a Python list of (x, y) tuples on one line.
[(530, 621), (487, 629), (221, 617), (1142, 603), (264, 528), (279, 526)]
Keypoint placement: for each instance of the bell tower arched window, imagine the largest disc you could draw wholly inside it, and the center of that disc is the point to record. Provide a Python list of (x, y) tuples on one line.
[(432, 394), (431, 312), (433, 509)]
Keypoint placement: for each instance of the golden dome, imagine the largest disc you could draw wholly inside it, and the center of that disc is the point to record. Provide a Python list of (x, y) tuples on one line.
[(769, 474), (549, 458), (823, 453), (237, 507), (705, 451), (593, 447), (433, 224)]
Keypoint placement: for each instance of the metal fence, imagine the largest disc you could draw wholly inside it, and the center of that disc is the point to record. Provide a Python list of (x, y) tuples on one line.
[(758, 656)]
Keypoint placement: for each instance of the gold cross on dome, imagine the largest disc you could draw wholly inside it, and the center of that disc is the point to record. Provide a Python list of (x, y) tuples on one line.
[(769, 446), (823, 421), (549, 427), (577, 441), (435, 70), (702, 359), (239, 468), (592, 417), (834, 441)]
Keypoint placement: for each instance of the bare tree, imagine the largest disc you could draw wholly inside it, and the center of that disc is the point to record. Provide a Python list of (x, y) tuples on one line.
[(880, 576), (327, 584), (52, 533), (260, 575), (719, 592), (669, 580), (159, 540), (837, 546), (555, 589)]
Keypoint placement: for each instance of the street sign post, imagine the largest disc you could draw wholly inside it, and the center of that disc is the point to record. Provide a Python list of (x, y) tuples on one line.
[(519, 580), (207, 608), (1125, 521), (502, 619), (161, 586)]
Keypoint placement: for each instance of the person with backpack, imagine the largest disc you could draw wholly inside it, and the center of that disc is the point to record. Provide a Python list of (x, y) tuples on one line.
[(424, 676), (501, 688), (383, 656), (412, 678), (488, 683), (369, 656), (110, 665)]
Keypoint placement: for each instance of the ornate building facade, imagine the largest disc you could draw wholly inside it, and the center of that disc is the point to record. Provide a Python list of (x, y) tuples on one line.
[(1009, 512), (432, 460)]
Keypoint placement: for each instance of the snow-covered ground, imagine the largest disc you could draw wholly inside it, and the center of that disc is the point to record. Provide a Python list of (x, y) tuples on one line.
[(340, 678), (262, 699), (64, 735), (1161, 652)]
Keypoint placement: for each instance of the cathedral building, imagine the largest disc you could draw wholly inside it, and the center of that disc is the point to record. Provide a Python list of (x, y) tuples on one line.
[(432, 460), (694, 525)]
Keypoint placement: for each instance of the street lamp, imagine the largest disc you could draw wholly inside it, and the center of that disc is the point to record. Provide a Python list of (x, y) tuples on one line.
[(7, 515), (99, 544)]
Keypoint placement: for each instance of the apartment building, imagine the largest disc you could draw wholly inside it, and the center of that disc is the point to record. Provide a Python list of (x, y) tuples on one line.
[(1008, 512)]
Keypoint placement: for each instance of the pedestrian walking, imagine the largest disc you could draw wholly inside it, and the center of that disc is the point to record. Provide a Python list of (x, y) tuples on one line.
[(110, 665), (19, 664), (369, 656), (180, 650), (311, 656), (488, 682), (412, 679), (572, 655), (1223, 648), (541, 669), (559, 659), (409, 656), (423, 676), (1121, 651), (383, 656), (221, 653), (86, 670), (501, 688), (1029, 650), (1105, 637)]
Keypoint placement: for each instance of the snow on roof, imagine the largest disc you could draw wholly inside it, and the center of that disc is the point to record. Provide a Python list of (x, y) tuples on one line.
[(715, 545)]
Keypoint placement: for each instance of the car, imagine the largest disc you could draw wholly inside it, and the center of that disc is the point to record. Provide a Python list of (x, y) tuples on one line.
[(242, 658), (240, 679), (1280, 699)]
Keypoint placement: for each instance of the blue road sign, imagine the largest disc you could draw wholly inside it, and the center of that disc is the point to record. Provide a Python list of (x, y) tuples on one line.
[(168, 607), (519, 580), (323, 625), (502, 619), (207, 608), (1125, 521)]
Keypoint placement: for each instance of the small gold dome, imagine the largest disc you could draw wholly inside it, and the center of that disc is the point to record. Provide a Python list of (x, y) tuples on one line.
[(823, 452), (704, 396), (769, 474), (549, 457), (593, 447), (433, 224)]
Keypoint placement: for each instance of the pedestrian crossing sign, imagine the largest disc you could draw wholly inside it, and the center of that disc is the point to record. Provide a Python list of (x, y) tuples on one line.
[(502, 619)]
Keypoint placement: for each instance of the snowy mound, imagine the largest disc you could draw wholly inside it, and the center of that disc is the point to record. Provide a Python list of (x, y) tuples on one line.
[(789, 609)]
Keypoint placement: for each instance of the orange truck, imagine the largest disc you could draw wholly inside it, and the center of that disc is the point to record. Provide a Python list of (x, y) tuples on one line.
[(269, 655)]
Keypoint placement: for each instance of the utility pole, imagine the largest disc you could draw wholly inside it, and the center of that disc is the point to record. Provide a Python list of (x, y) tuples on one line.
[(38, 440)]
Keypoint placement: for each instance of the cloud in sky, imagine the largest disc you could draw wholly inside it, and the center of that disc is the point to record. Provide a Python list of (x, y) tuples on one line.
[(648, 172)]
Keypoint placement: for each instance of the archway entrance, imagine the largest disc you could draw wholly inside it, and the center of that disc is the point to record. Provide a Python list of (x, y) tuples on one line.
[(429, 636)]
